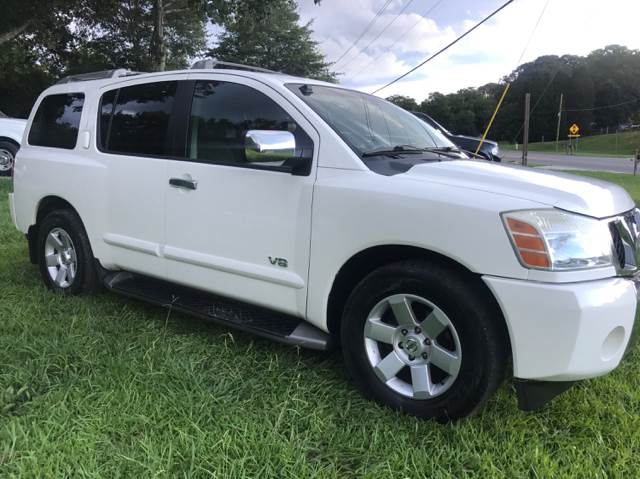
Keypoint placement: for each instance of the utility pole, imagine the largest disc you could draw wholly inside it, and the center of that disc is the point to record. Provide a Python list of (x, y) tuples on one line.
[(525, 137), (559, 117)]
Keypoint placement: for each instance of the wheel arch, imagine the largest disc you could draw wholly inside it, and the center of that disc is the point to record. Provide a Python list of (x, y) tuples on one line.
[(366, 261), (45, 206), (9, 139)]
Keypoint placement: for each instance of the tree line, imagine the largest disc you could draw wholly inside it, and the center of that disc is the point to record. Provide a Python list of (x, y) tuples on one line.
[(601, 93), (43, 40)]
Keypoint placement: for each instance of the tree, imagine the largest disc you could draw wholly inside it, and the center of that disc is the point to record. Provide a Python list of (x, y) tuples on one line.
[(600, 90), (143, 35), (21, 80), (405, 102), (37, 18), (267, 34)]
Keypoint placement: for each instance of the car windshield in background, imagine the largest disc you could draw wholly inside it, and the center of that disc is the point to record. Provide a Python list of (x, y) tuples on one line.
[(369, 124)]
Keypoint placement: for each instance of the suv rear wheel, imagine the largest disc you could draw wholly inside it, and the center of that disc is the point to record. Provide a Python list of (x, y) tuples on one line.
[(422, 338), (65, 258)]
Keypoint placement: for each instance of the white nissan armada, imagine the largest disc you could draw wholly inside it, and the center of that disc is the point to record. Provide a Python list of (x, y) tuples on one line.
[(315, 215)]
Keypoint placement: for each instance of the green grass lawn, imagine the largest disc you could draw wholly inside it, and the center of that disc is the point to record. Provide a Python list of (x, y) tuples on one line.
[(614, 144), (108, 387)]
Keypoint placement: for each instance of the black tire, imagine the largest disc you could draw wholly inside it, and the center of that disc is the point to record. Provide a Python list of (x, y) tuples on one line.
[(12, 148), (86, 275), (479, 326)]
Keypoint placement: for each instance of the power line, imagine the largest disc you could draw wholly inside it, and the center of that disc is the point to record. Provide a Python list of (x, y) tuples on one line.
[(366, 29), (535, 27), (603, 107), (362, 50), (422, 17), (508, 85), (504, 5)]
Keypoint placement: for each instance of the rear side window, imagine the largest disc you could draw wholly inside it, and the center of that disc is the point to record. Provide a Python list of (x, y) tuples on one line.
[(139, 122), (57, 120), (106, 110)]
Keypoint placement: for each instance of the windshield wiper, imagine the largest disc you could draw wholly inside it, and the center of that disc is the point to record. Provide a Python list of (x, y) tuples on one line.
[(445, 151), (453, 149), (396, 150)]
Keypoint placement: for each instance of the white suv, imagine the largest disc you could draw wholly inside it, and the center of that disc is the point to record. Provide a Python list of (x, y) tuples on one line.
[(316, 215)]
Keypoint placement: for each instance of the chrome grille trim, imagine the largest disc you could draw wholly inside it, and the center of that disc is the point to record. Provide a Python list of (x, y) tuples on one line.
[(625, 235)]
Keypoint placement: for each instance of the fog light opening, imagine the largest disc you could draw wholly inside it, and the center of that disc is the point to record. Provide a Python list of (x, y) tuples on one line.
[(613, 343)]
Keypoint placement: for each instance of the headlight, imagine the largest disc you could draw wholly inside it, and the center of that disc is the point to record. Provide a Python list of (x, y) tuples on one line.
[(555, 240), (495, 151)]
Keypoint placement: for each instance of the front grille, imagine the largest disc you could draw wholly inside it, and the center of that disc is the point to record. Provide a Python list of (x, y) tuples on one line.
[(625, 235), (618, 245)]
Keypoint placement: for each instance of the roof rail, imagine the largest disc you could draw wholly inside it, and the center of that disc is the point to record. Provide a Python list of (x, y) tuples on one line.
[(210, 63), (120, 72)]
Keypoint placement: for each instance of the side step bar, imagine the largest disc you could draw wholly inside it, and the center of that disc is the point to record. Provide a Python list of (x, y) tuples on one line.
[(235, 314)]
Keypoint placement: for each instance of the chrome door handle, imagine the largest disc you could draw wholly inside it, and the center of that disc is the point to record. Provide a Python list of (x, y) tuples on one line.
[(182, 183)]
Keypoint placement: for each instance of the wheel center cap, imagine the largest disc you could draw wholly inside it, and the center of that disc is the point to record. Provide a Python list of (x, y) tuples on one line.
[(411, 345)]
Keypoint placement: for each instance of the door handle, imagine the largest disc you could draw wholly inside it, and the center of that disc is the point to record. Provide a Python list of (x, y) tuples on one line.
[(182, 183)]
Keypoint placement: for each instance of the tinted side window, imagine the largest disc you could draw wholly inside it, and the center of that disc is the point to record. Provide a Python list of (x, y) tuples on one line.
[(56, 122), (107, 102), (140, 121), (221, 115)]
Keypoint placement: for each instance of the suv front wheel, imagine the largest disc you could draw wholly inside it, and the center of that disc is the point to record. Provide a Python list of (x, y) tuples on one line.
[(421, 337), (65, 258)]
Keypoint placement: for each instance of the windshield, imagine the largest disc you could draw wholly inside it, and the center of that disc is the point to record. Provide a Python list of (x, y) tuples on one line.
[(368, 123), (438, 127)]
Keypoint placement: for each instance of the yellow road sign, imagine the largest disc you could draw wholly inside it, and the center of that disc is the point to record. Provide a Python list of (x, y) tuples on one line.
[(574, 129)]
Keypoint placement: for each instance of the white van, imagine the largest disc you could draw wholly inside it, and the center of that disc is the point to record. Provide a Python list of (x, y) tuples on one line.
[(316, 215)]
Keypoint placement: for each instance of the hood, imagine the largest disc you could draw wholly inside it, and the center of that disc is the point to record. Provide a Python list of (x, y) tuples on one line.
[(12, 128), (14, 121), (474, 140), (578, 194)]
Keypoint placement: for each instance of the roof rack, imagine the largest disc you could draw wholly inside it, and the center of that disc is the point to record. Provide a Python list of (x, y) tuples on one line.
[(120, 72), (210, 63)]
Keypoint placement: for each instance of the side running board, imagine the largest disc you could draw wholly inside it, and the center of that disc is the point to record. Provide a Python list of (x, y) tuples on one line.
[(260, 321)]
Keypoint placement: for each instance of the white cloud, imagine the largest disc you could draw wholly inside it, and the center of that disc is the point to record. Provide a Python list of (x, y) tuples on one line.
[(486, 55)]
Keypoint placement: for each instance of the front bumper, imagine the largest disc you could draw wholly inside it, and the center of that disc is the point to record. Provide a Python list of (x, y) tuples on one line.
[(570, 331)]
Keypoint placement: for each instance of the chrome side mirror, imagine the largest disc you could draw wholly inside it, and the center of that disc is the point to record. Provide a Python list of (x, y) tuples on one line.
[(269, 146)]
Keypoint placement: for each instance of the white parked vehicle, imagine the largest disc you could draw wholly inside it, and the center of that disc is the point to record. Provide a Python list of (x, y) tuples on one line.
[(312, 214), (11, 131)]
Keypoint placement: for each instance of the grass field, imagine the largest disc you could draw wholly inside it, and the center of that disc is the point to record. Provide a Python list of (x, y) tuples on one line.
[(614, 144), (108, 387)]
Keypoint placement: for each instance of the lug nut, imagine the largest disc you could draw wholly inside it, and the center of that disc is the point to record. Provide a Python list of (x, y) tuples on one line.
[(401, 345), (411, 358), (427, 341), (404, 332), (418, 330), (425, 355)]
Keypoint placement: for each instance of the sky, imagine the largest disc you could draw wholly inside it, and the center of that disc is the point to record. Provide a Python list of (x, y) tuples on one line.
[(408, 31)]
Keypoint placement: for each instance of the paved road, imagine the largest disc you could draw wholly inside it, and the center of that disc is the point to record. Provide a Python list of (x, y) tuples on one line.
[(565, 162)]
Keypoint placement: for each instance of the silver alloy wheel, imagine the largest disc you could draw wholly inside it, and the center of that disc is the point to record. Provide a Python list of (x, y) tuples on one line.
[(60, 257), (6, 159), (396, 338)]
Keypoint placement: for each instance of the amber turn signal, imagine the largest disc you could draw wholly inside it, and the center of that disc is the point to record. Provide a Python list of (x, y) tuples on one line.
[(529, 244)]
